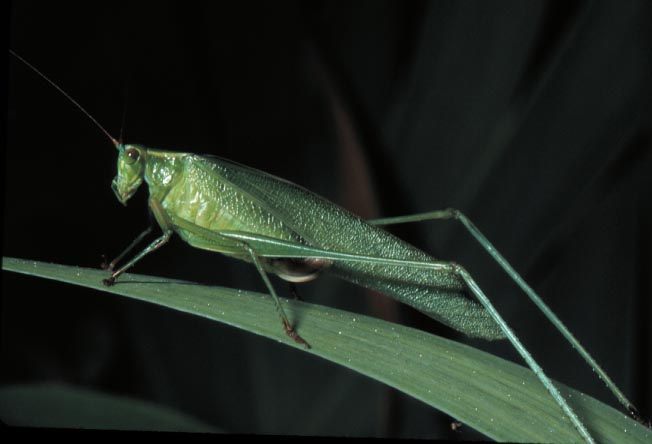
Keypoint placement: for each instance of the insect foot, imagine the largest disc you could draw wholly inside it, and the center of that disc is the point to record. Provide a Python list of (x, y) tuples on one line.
[(294, 335), (108, 282)]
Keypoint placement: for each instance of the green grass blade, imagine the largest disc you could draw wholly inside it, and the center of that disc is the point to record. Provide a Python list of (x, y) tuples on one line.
[(498, 398)]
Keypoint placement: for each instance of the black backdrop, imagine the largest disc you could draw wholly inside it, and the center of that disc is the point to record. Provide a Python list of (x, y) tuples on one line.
[(532, 117)]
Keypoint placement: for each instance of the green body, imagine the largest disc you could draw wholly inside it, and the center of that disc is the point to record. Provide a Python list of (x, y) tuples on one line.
[(199, 193)]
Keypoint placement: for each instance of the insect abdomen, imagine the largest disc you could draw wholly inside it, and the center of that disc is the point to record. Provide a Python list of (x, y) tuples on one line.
[(324, 225)]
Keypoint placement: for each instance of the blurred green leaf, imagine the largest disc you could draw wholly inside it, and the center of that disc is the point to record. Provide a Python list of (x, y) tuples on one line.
[(503, 400), (62, 406)]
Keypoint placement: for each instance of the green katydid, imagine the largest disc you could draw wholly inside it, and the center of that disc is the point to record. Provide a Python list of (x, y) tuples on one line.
[(281, 228)]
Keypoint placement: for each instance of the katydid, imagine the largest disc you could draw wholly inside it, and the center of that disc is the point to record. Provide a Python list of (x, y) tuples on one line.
[(281, 228)]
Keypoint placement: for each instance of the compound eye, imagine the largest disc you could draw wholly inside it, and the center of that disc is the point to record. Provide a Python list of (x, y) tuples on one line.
[(132, 155)]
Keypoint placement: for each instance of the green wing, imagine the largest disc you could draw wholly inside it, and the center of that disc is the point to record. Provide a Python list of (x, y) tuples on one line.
[(322, 224)]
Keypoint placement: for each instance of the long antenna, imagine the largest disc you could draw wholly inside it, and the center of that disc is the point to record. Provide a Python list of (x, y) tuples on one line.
[(66, 95)]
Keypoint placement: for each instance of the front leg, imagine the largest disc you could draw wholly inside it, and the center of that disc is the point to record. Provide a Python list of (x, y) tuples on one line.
[(166, 225), (111, 265)]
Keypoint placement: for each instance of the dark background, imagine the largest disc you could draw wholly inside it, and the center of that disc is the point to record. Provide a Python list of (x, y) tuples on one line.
[(531, 117)]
